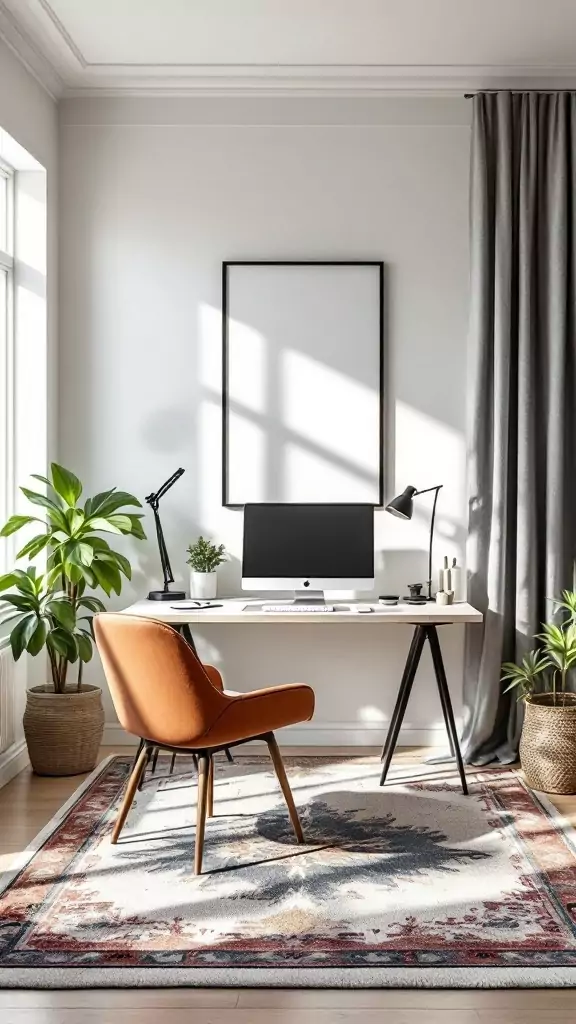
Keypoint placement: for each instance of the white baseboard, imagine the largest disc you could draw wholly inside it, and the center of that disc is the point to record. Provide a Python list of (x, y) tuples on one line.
[(13, 761), (329, 734)]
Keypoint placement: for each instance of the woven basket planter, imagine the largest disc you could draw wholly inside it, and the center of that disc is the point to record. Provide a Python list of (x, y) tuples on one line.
[(63, 730), (548, 744)]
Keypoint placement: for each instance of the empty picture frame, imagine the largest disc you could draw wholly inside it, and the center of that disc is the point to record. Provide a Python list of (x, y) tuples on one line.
[(303, 382)]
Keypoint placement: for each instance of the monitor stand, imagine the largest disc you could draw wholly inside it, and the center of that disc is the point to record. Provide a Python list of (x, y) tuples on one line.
[(309, 597)]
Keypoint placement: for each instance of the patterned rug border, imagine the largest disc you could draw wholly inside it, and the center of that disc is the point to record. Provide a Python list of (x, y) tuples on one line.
[(50, 978), (22, 859)]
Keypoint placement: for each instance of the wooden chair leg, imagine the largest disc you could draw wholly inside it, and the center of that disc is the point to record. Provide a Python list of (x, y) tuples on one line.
[(284, 785), (130, 793), (210, 798), (203, 773)]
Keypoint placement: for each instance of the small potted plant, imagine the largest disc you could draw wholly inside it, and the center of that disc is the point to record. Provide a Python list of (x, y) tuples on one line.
[(548, 742), (52, 612), (204, 558)]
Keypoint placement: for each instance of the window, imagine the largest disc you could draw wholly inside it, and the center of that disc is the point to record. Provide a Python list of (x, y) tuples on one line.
[(6, 340)]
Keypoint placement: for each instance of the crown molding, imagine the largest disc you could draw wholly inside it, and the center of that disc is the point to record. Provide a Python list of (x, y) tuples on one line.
[(29, 53), (312, 80), (46, 49)]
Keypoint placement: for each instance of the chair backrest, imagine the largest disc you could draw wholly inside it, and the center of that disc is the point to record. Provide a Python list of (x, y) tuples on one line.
[(159, 687)]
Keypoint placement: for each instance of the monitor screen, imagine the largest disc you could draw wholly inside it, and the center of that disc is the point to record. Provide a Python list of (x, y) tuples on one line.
[(308, 541)]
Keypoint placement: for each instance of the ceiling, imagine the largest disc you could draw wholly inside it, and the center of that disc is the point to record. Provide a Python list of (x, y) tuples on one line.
[(316, 46)]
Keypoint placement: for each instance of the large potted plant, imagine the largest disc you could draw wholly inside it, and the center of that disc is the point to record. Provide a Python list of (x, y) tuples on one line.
[(548, 742), (52, 612), (204, 558)]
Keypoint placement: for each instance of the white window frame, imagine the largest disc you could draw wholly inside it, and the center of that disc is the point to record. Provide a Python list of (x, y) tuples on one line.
[(7, 370)]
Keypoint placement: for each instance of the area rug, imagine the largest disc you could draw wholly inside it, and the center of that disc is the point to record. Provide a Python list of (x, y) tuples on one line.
[(410, 885)]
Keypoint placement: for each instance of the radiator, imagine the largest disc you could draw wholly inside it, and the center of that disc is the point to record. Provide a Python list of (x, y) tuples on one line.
[(7, 699)]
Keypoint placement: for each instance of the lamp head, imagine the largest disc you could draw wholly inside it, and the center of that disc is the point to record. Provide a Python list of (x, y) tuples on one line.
[(402, 505)]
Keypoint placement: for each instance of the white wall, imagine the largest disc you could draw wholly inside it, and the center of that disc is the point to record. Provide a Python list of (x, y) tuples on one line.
[(29, 115), (155, 194)]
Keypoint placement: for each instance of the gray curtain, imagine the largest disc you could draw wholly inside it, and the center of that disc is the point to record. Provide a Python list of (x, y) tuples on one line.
[(522, 468)]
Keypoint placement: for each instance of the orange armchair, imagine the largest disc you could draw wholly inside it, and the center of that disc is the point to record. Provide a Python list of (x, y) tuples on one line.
[(163, 694)]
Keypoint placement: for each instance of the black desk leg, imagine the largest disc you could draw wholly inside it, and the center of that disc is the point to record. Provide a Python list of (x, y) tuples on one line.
[(401, 693), (185, 631), (446, 703), (423, 632), (412, 663)]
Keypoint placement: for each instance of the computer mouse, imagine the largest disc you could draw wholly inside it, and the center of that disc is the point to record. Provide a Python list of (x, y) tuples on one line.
[(364, 609)]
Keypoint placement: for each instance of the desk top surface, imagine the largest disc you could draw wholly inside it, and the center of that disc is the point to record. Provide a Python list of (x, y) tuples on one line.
[(241, 609)]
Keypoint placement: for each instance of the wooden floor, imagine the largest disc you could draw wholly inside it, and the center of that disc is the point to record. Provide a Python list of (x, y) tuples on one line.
[(28, 802)]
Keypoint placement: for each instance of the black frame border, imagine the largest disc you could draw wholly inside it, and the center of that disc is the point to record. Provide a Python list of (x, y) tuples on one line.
[(226, 264)]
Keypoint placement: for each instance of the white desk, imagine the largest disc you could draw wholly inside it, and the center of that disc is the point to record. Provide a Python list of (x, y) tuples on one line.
[(425, 619), (235, 610)]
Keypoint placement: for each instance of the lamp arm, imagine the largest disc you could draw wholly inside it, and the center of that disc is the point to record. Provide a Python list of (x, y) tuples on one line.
[(154, 498), (164, 560), (428, 489), (437, 489)]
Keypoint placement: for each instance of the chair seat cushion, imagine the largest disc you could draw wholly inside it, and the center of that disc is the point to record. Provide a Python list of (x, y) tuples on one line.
[(260, 711)]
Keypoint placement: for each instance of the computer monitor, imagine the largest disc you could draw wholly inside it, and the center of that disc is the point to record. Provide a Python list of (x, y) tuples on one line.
[(308, 548)]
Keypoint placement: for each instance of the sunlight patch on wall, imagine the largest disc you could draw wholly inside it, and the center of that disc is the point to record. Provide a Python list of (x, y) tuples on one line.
[(428, 452), (312, 477), (331, 409), (247, 361), (247, 457), (215, 520)]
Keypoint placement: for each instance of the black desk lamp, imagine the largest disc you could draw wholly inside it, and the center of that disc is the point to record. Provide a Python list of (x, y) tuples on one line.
[(153, 500), (403, 507)]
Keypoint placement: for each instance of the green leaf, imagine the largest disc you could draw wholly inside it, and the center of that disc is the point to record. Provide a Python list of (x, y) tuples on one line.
[(84, 642), (99, 544), (75, 520), (24, 582), (108, 502), (93, 505), (55, 513), (34, 546), (40, 499), (38, 638), (108, 577), (74, 571), (16, 523), (63, 643), (123, 564), (43, 479), (63, 612), (123, 523), (100, 523), (53, 575), (93, 604), (58, 519), (137, 528), (7, 581), (24, 602), (86, 554), (20, 635), (65, 484)]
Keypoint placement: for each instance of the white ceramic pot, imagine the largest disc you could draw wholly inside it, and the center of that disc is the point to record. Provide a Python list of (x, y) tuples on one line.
[(203, 585)]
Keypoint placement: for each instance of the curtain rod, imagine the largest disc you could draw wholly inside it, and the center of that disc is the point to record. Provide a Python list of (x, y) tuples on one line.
[(514, 92)]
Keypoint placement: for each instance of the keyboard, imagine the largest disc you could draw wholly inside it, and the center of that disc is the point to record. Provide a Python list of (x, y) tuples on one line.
[(297, 609)]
